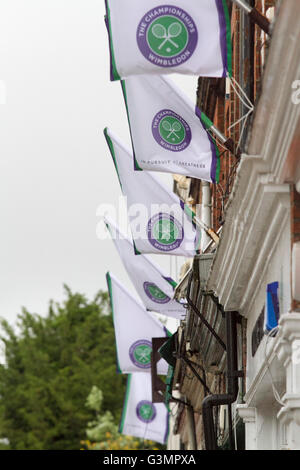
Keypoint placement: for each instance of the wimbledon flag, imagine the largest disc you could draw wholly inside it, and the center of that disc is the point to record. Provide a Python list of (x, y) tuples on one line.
[(134, 330), (160, 222), (140, 417), (182, 36), (167, 134), (154, 288)]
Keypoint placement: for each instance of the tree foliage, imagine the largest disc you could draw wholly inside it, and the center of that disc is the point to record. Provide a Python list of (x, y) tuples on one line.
[(103, 433), (50, 366), (103, 422)]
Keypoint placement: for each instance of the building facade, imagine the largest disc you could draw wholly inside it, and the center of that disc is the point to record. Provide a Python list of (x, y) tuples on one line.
[(237, 371)]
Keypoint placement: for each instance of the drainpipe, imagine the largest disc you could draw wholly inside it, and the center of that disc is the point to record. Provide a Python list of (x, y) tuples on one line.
[(191, 427), (206, 212), (232, 385)]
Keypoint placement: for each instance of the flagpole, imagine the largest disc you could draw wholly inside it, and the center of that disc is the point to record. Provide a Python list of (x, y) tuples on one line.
[(227, 142), (210, 232), (254, 15)]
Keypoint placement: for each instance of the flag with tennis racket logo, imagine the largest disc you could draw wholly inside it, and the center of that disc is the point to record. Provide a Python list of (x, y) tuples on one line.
[(134, 330), (141, 417), (168, 133), (154, 287), (184, 36), (160, 222)]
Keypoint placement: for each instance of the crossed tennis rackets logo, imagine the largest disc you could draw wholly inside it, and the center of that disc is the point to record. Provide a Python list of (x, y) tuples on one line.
[(171, 131), (172, 128), (167, 35), (169, 38)]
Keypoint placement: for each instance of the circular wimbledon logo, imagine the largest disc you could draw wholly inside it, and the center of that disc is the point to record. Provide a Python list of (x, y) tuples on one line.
[(164, 232), (140, 354), (171, 131), (167, 36), (146, 411), (155, 293)]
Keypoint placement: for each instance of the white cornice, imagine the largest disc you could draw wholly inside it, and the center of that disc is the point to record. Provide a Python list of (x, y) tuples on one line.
[(258, 208), (277, 114), (255, 219)]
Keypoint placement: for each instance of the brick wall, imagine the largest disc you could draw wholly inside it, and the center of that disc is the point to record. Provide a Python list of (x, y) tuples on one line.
[(225, 110), (295, 228), (295, 215)]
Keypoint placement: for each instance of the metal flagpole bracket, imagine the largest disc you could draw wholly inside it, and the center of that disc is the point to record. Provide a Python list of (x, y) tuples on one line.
[(202, 380), (210, 232), (200, 224), (158, 386), (255, 15), (199, 314), (227, 142)]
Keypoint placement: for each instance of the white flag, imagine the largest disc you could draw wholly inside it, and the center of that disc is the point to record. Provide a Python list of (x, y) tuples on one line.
[(154, 288), (142, 418), (160, 222), (167, 134), (134, 330), (152, 37)]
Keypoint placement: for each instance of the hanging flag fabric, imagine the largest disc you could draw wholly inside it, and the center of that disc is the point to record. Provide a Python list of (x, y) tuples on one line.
[(140, 417), (160, 222), (154, 288), (167, 134), (153, 37), (134, 330)]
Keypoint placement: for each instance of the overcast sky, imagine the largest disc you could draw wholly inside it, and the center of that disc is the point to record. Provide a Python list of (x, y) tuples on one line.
[(55, 169)]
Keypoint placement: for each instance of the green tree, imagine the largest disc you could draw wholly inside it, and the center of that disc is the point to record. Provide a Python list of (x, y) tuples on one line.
[(50, 367), (103, 433), (104, 422)]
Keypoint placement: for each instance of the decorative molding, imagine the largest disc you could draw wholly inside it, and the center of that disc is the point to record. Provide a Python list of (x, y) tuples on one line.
[(280, 348), (290, 414), (255, 221), (290, 326), (283, 351), (248, 414)]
